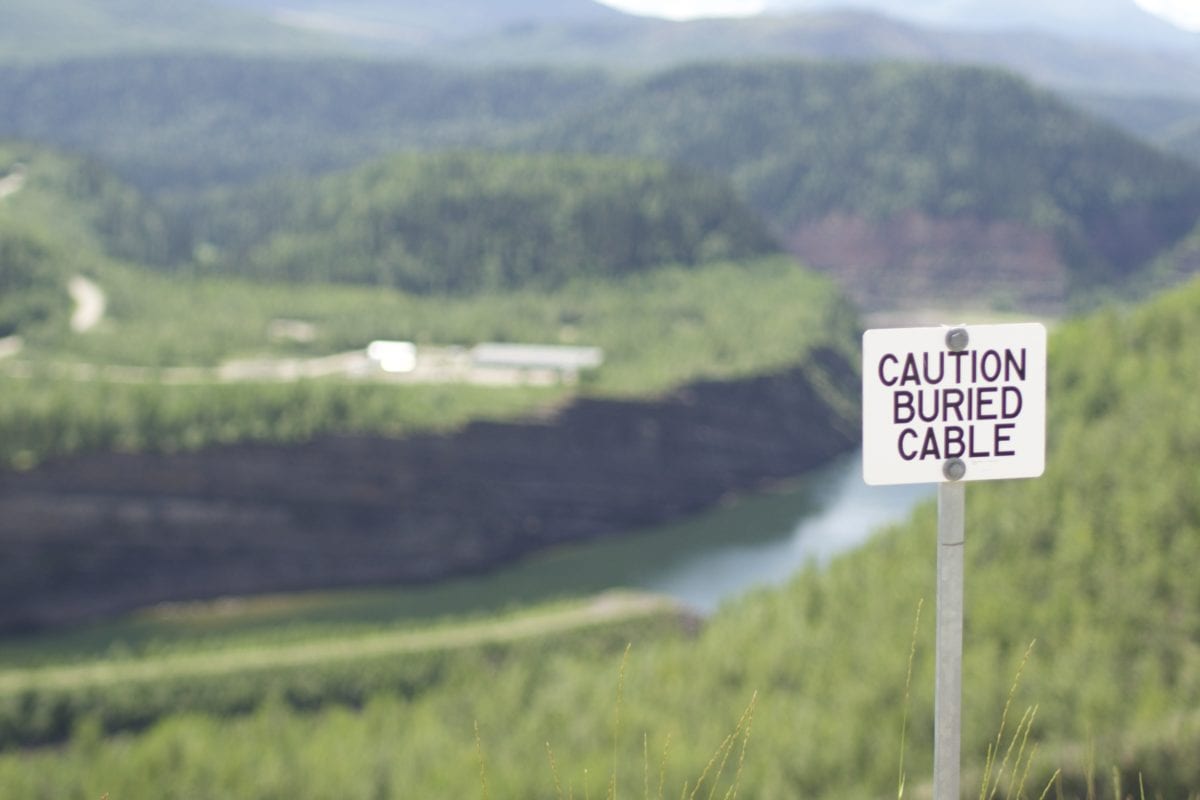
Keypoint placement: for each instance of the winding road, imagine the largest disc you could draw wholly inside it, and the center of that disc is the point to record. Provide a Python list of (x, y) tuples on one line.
[(90, 300)]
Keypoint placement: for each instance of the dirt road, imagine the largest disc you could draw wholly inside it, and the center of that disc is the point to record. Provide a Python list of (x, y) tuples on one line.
[(606, 608)]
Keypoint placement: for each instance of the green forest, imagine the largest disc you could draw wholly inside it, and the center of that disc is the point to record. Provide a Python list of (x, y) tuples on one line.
[(216, 179), (803, 141), (1081, 604), (452, 224), (180, 122), (797, 140)]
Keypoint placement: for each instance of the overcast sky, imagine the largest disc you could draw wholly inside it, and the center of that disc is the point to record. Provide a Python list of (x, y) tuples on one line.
[(1184, 13)]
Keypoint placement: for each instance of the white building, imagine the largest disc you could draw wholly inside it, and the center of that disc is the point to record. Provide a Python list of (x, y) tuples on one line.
[(561, 362), (393, 356)]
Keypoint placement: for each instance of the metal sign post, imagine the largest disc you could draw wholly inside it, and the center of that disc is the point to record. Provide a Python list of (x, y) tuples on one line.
[(950, 405), (947, 730)]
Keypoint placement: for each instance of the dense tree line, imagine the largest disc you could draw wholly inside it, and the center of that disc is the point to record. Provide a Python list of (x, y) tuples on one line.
[(438, 224), (799, 140), (180, 122), (803, 141), (449, 223)]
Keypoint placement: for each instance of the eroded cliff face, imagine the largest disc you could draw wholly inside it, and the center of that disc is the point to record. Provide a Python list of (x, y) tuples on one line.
[(917, 261), (102, 533)]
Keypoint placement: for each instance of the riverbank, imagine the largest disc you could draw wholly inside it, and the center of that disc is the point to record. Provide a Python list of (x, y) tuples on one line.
[(96, 535)]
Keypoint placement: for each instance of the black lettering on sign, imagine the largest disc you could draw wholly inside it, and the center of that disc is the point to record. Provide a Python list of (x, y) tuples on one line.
[(1011, 402), (957, 404), (1003, 437), (955, 441), (902, 407)]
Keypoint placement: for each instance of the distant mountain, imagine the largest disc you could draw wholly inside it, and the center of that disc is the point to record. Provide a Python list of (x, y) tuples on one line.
[(911, 181), (1051, 60), (586, 33), (185, 122), (418, 22), (908, 181), (44, 30), (1113, 21), (1172, 123)]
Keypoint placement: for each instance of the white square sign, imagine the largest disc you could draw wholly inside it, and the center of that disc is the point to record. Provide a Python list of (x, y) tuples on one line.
[(965, 402)]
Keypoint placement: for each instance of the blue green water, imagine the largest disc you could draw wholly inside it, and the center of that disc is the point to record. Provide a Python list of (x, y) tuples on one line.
[(744, 543), (741, 544)]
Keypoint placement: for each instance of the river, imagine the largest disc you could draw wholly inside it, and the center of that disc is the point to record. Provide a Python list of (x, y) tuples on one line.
[(751, 541), (748, 542)]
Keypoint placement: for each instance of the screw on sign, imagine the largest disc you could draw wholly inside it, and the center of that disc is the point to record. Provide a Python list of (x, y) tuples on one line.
[(974, 394), (947, 405)]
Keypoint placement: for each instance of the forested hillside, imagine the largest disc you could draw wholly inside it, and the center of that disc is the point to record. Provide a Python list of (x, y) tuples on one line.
[(43, 30), (807, 142), (854, 34), (80, 204), (31, 293), (184, 122), (54, 29), (903, 178), (60, 216), (1094, 564), (438, 224), (1173, 123)]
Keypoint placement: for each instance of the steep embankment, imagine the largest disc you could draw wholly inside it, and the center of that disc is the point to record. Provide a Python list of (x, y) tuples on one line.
[(102, 533)]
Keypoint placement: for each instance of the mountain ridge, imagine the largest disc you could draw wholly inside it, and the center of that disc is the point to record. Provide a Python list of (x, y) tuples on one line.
[(586, 33), (1121, 21), (950, 165), (887, 175)]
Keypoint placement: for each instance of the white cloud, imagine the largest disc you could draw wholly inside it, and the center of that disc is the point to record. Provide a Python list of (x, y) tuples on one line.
[(1183, 13), (689, 9)]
